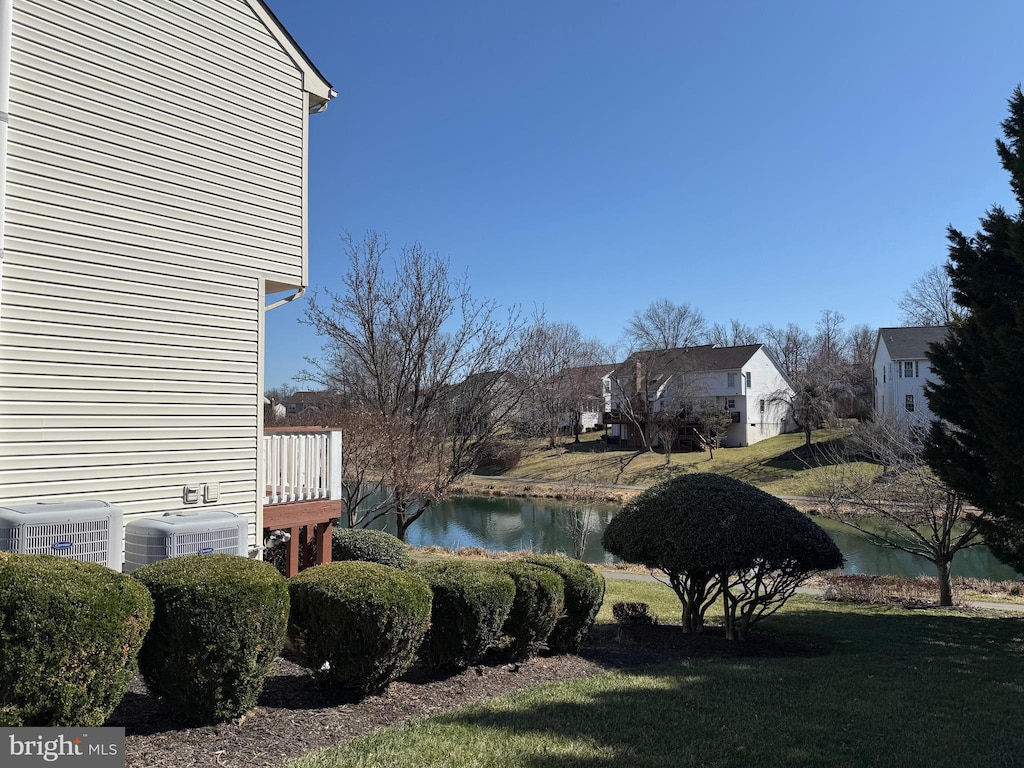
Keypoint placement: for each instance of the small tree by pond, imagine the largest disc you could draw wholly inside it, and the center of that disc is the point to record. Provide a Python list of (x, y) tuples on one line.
[(717, 537), (922, 515)]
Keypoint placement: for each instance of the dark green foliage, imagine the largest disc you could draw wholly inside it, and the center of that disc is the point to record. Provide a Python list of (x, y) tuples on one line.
[(539, 602), (70, 635), (632, 614), (976, 446), (369, 546), (584, 592), (471, 603), (365, 619), (220, 622), (710, 533)]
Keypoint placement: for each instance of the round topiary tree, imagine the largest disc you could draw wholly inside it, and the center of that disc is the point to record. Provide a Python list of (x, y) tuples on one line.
[(538, 605), (365, 620), (471, 603), (369, 545), (70, 634), (714, 536), (584, 593), (220, 622)]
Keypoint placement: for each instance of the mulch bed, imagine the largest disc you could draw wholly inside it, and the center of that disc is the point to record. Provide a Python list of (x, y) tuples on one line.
[(297, 714)]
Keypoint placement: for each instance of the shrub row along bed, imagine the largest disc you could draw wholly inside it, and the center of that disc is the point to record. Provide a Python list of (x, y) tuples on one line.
[(220, 623), (204, 629), (70, 635)]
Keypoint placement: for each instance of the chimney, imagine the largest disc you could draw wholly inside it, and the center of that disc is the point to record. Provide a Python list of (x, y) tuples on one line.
[(638, 375)]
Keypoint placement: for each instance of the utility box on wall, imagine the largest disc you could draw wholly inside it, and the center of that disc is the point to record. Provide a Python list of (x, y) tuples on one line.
[(89, 531), (150, 539)]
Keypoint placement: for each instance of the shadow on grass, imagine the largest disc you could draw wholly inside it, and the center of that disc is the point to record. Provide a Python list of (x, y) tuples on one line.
[(827, 453), (898, 689)]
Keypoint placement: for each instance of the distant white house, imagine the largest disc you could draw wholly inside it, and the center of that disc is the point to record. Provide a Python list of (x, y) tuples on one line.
[(744, 381), (153, 188), (901, 370)]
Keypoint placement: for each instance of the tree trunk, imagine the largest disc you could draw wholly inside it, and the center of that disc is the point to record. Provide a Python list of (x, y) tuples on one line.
[(945, 586), (728, 616), (807, 436)]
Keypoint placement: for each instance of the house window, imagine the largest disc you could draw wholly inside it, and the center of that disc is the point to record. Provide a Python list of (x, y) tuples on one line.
[(908, 370), (910, 404), (760, 405), (730, 403), (747, 374), (732, 380), (883, 375)]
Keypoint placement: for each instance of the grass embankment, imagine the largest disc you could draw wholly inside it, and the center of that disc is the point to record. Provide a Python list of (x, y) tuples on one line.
[(777, 465), (891, 687)]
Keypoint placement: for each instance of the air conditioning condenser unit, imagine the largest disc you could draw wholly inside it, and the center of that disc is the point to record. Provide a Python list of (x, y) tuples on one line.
[(149, 539), (89, 531)]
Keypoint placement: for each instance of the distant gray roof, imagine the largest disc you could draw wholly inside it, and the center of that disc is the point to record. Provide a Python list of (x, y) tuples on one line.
[(704, 358), (911, 343)]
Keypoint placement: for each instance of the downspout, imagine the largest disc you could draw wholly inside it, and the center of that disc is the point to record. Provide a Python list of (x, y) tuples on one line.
[(6, 20)]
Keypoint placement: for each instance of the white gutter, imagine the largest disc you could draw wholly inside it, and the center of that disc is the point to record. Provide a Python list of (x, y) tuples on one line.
[(6, 14)]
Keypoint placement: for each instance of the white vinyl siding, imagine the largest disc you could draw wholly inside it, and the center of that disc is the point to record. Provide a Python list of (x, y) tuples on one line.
[(155, 184), (98, 404), (177, 129)]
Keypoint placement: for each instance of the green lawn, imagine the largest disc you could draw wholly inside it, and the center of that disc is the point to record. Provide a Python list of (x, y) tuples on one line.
[(763, 464), (891, 688)]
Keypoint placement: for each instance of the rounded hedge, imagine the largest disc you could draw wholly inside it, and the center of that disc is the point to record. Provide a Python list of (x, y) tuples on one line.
[(712, 523), (365, 620), (471, 603), (538, 605), (584, 593), (220, 622), (370, 546), (70, 634)]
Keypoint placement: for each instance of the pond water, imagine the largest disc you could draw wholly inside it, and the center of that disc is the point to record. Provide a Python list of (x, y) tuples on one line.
[(534, 524)]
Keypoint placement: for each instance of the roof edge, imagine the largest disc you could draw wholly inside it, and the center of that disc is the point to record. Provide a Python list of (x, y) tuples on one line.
[(313, 80)]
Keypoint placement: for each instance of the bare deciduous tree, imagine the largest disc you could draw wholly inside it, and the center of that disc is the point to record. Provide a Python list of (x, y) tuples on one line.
[(791, 346), (737, 334), (580, 518), (861, 344), (831, 344), (929, 300), (554, 363), (921, 515), (666, 325), (417, 354)]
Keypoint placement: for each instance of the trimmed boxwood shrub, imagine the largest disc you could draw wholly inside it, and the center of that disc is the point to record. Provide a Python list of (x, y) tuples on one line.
[(584, 593), (540, 599), (70, 634), (716, 537), (220, 622), (471, 603), (370, 546), (365, 620)]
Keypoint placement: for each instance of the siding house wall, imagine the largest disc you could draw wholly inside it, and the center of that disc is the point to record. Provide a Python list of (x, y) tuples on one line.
[(894, 348), (155, 193)]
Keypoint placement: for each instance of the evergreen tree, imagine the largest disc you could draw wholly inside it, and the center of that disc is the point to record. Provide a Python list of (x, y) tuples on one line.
[(977, 444)]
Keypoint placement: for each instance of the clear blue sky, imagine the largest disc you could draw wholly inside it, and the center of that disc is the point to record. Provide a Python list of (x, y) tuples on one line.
[(758, 160)]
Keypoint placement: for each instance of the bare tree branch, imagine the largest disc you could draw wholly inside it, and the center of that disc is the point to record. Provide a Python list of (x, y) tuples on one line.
[(421, 359), (929, 300)]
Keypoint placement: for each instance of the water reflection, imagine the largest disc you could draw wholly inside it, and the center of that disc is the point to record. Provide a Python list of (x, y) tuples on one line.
[(505, 524), (864, 557), (535, 524)]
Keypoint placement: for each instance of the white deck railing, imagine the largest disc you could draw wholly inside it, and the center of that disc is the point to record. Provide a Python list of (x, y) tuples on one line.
[(301, 466)]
